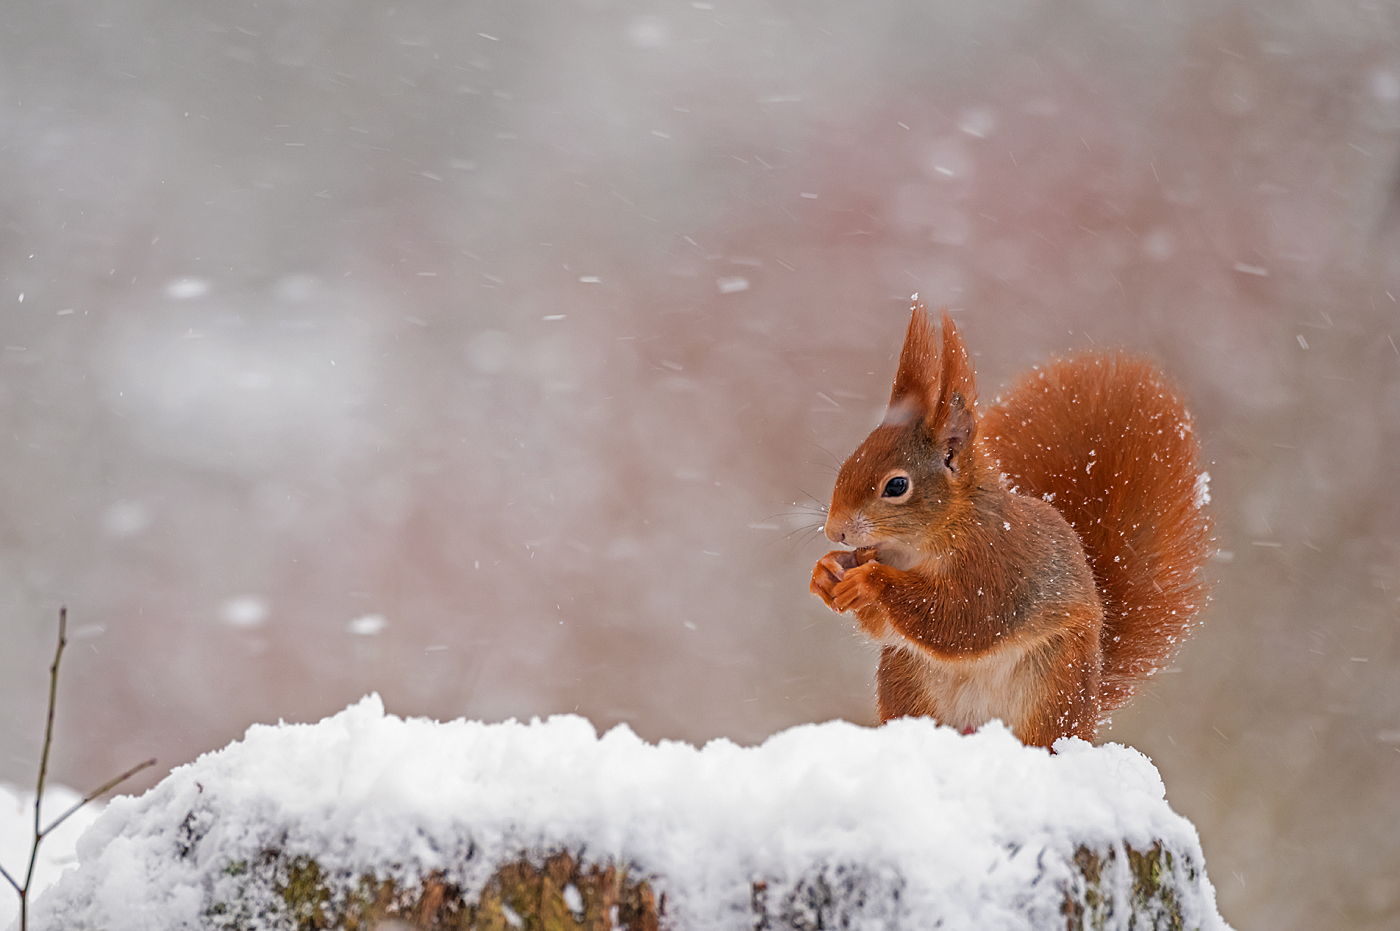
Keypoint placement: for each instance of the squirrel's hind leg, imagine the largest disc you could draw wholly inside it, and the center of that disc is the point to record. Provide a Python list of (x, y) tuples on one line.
[(1069, 692)]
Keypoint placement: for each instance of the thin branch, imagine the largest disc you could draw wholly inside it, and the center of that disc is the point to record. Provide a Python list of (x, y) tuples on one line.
[(40, 832), (96, 793), (44, 757), (7, 875)]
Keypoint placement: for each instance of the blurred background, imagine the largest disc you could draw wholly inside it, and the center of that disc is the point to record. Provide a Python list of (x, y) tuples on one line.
[(497, 356)]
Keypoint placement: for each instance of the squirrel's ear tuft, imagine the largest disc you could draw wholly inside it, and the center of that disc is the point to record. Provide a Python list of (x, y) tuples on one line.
[(958, 378), (916, 383), (953, 419)]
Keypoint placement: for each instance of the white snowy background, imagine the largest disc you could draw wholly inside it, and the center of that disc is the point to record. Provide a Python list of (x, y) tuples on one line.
[(476, 353), (57, 853)]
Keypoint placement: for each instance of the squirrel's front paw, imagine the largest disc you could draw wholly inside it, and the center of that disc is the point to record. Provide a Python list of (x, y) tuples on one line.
[(829, 570), (859, 587)]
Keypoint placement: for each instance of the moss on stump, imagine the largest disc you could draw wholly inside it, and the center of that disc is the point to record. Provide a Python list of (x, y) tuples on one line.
[(1151, 901), (563, 892)]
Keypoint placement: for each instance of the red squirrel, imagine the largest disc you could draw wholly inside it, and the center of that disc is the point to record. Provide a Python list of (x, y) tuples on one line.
[(1033, 562)]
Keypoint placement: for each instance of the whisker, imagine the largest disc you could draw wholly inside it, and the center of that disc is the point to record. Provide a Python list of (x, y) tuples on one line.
[(810, 532), (832, 456), (800, 536), (803, 536), (803, 512)]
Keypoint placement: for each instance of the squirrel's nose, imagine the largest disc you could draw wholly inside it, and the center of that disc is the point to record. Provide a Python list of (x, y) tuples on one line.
[(835, 534)]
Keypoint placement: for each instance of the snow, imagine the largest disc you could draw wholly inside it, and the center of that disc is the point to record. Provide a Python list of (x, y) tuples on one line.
[(977, 830), (367, 625), (187, 288), (244, 611), (17, 833)]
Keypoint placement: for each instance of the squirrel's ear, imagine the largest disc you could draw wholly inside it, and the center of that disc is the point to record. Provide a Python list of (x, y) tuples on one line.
[(953, 420), (916, 383)]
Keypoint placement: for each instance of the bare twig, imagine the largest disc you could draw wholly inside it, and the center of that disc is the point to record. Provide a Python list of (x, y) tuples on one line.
[(44, 757), (41, 832), (7, 875), (98, 793)]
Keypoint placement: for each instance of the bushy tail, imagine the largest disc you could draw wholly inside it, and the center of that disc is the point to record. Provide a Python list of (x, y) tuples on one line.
[(1106, 439)]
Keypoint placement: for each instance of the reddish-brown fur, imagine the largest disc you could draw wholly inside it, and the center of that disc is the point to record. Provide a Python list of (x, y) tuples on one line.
[(993, 603), (1137, 510)]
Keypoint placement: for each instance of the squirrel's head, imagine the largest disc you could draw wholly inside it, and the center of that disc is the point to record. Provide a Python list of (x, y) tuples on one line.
[(912, 471)]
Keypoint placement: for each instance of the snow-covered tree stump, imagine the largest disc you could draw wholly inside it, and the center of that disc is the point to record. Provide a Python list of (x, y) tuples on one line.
[(366, 818)]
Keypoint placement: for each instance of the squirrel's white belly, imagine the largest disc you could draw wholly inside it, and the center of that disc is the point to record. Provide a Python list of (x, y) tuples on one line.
[(968, 692)]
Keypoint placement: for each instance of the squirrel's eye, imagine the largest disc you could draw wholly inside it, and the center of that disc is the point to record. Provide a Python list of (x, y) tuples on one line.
[(896, 487)]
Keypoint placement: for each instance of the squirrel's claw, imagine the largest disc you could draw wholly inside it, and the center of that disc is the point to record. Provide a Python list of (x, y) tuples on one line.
[(837, 566), (860, 587), (827, 573)]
